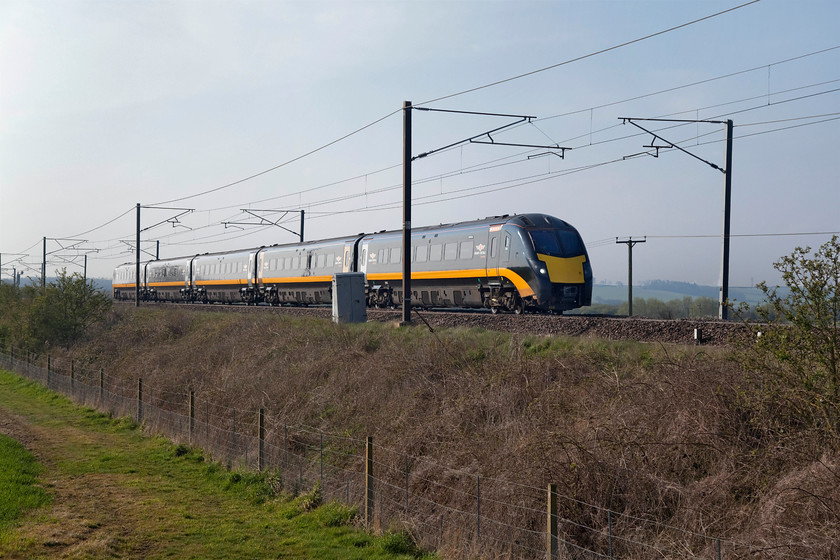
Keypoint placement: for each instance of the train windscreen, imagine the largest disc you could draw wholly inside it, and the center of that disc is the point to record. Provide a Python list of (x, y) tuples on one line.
[(556, 243)]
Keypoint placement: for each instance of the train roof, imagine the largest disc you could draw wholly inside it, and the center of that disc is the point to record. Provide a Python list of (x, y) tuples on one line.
[(535, 220), (523, 220)]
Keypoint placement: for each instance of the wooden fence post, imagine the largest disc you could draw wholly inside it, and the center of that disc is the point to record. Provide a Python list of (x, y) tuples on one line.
[(369, 481), (261, 423), (101, 384), (478, 507), (140, 400), (551, 548), (192, 414)]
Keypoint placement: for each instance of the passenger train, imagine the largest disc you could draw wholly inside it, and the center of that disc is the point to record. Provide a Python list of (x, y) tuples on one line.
[(526, 262)]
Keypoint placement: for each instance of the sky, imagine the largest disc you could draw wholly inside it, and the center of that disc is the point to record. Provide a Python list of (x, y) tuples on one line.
[(197, 110)]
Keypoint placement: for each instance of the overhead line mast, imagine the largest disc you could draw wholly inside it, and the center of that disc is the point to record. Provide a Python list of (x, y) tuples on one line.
[(723, 299)]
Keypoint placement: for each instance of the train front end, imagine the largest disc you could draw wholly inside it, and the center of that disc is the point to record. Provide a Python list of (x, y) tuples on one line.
[(561, 274)]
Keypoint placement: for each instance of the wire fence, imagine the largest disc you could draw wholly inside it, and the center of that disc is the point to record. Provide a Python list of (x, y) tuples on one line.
[(459, 513)]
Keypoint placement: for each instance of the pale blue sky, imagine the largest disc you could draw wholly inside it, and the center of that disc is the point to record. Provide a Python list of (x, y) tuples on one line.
[(105, 104)]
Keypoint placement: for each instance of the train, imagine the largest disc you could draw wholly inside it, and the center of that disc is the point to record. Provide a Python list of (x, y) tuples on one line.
[(512, 263)]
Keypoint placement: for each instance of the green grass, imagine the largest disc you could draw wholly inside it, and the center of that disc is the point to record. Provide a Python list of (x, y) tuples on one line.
[(19, 487), (118, 493)]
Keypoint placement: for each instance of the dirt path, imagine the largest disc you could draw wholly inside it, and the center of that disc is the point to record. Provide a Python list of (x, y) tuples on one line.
[(85, 518)]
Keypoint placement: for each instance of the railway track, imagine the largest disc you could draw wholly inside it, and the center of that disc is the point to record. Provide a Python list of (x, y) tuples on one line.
[(675, 331)]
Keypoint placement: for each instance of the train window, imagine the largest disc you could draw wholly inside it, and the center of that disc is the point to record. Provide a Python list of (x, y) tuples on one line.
[(435, 252), (422, 253), (383, 256), (450, 251), (395, 254), (287, 262), (466, 250), (571, 242), (331, 260), (546, 242), (296, 263), (321, 260), (493, 242), (506, 256)]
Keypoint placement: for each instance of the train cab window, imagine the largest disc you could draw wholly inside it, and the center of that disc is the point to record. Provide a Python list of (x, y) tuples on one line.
[(466, 250), (435, 252), (395, 255), (422, 253), (493, 242), (450, 251), (571, 242), (546, 242)]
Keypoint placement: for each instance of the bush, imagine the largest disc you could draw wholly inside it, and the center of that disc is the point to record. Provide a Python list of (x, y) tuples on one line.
[(799, 343)]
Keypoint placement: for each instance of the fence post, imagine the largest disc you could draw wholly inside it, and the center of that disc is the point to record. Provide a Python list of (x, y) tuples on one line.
[(49, 366), (140, 400), (192, 414), (322, 460), (101, 384), (551, 543), (235, 442), (718, 547), (207, 424), (72, 377), (261, 422), (478, 507), (285, 446), (609, 526), (369, 481), (406, 484)]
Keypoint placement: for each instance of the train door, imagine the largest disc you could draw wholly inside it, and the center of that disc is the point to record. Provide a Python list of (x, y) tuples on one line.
[(347, 264), (363, 256), (493, 251), (251, 272)]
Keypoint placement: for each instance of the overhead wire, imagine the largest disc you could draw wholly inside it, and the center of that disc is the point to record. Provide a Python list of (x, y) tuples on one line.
[(328, 144), (590, 109), (590, 55)]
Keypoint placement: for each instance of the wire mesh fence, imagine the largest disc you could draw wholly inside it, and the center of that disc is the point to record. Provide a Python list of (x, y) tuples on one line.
[(458, 513)]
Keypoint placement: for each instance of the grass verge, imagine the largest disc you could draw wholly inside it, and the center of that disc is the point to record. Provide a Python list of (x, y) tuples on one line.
[(117, 493), (20, 490)]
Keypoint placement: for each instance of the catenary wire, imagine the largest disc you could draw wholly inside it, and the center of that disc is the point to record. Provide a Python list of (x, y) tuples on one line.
[(583, 57)]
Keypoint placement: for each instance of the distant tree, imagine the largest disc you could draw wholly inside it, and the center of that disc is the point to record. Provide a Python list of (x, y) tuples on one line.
[(64, 310), (798, 342)]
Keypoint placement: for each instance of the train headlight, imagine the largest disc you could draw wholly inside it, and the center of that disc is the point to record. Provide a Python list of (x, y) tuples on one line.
[(542, 271)]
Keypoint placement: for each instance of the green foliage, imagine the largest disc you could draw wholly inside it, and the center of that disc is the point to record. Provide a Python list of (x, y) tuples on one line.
[(400, 542), (799, 343), (335, 514), (59, 314)]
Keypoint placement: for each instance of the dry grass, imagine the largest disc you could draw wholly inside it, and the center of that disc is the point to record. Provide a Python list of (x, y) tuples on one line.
[(667, 438)]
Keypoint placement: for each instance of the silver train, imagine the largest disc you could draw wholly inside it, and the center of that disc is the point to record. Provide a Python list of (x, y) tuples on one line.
[(526, 262)]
